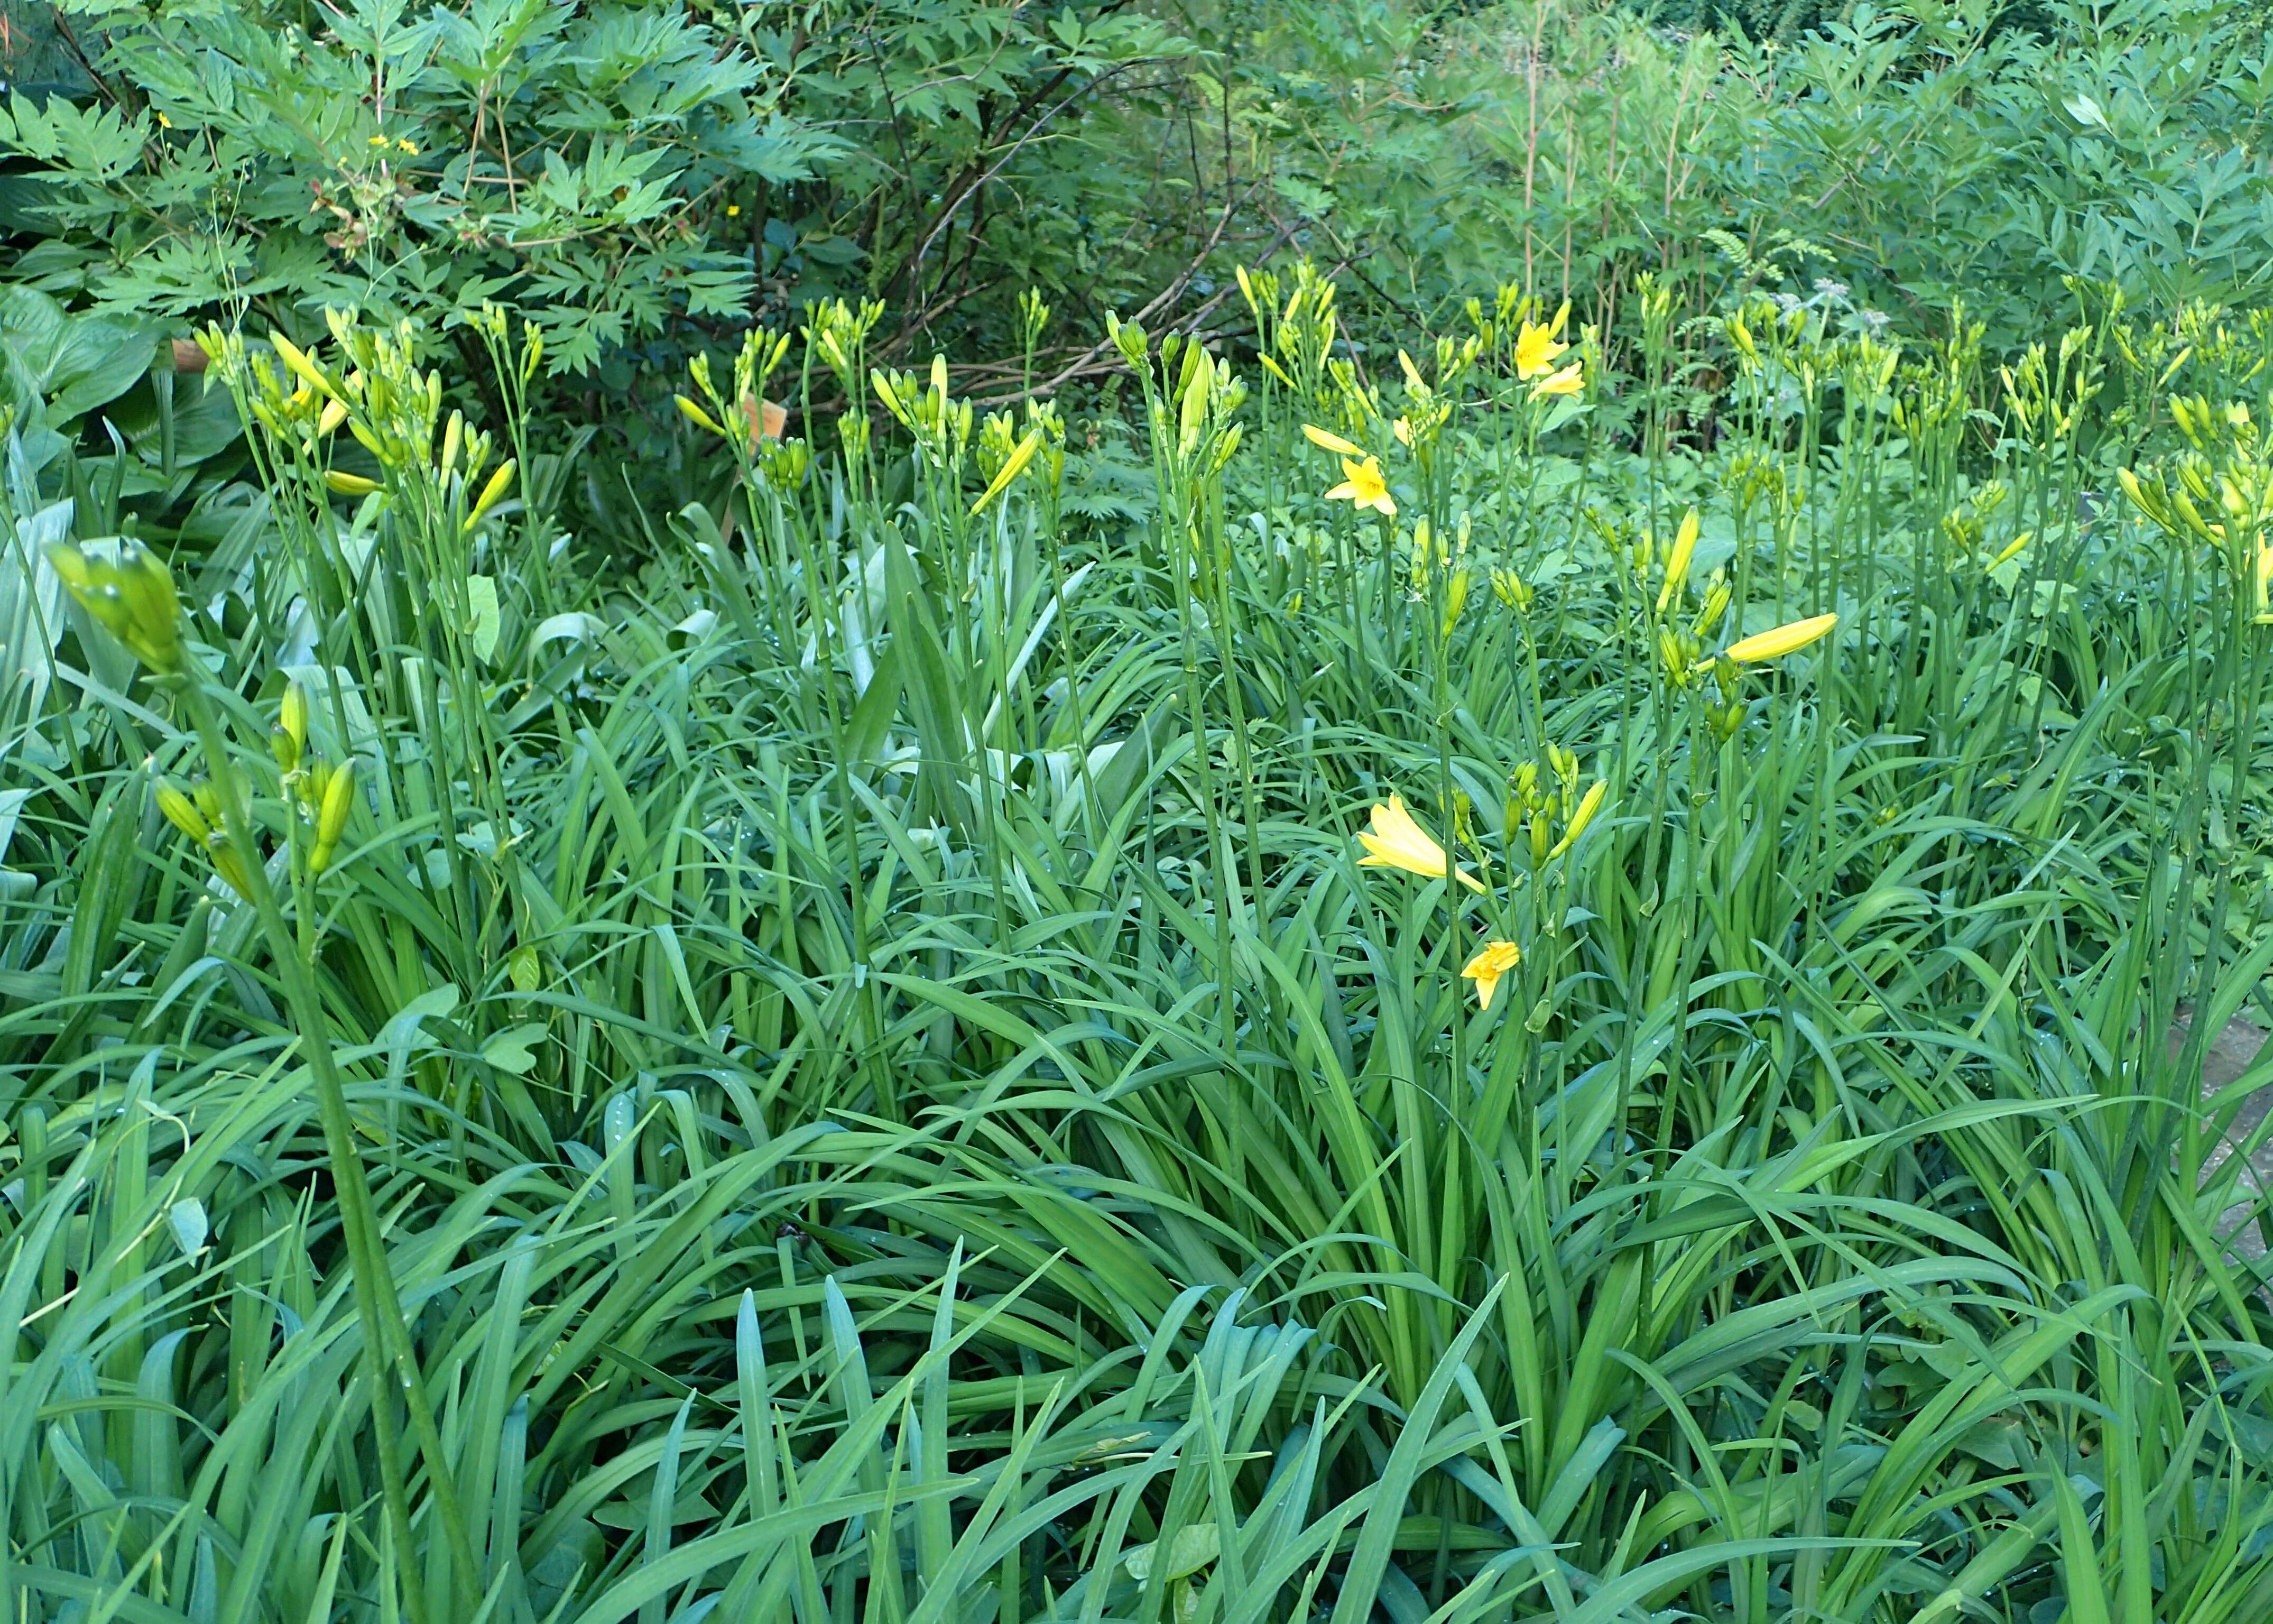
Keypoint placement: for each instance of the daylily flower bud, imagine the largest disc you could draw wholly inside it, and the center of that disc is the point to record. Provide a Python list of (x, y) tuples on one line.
[(226, 864), (297, 359), (291, 738), (1129, 338), (1783, 640), (493, 492), (2146, 499), (132, 595), (1456, 598), (331, 821), (696, 416), (1590, 804), (1677, 562), (182, 812)]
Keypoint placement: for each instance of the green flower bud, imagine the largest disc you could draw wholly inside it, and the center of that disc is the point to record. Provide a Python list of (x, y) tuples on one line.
[(289, 740), (331, 821), (132, 595), (499, 483), (182, 812)]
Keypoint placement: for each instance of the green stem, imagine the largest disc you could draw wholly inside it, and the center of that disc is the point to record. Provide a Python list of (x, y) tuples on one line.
[(386, 1338)]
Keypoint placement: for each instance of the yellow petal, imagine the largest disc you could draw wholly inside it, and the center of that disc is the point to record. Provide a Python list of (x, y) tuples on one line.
[(1570, 381)]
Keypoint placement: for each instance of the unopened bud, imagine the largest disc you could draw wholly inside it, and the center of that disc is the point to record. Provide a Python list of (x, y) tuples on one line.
[(331, 821), (493, 492), (182, 812)]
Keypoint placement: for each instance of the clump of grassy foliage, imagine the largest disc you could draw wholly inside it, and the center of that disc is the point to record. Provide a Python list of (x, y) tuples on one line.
[(855, 1071)]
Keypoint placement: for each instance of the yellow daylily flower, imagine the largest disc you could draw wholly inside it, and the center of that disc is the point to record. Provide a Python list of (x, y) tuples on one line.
[(1485, 969), (1363, 485), (1570, 381), (1536, 350), (1327, 439), (1774, 645), (1397, 842)]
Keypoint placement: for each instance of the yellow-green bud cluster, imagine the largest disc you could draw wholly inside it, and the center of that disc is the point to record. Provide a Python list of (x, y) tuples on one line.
[(196, 813), (1545, 804), (130, 592)]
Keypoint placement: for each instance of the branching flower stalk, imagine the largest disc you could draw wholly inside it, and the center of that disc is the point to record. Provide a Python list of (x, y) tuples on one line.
[(1190, 403), (133, 596), (836, 338)]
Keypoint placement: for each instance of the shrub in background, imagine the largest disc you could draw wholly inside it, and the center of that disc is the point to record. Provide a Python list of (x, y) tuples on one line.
[(615, 172)]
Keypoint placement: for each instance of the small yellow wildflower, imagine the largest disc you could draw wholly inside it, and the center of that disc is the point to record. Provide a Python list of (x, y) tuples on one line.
[(733, 210), (377, 140), (1397, 842), (408, 148), (1496, 959), (1768, 646), (1363, 485)]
